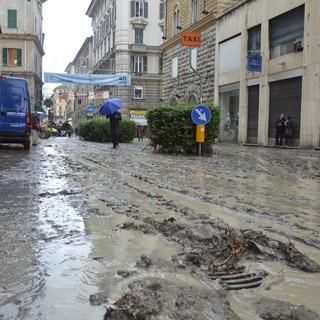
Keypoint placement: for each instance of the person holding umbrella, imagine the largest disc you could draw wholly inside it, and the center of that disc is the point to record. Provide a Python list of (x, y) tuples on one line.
[(110, 110), (115, 119)]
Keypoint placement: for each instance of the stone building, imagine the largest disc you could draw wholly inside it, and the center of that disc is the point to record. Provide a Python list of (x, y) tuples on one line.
[(80, 97), (21, 43), (126, 40), (268, 63), (180, 82)]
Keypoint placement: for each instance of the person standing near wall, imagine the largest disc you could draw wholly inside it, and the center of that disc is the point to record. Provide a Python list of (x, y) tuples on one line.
[(279, 128), (288, 131)]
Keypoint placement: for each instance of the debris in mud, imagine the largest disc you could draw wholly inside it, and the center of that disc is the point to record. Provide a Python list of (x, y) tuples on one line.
[(144, 262), (270, 309), (208, 243), (152, 298), (125, 273), (99, 258), (98, 299)]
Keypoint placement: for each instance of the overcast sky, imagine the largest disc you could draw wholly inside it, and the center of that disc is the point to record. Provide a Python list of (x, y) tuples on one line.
[(65, 26)]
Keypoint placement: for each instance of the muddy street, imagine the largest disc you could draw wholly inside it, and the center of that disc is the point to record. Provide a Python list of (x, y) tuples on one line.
[(89, 232)]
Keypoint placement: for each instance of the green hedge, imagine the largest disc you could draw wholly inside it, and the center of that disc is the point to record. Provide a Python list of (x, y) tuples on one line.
[(173, 131), (98, 129)]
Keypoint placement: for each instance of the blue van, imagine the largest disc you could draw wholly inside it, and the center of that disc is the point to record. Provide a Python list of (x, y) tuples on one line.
[(15, 111)]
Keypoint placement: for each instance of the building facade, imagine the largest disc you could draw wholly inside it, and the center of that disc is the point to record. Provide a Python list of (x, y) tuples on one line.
[(182, 83), (80, 97), (126, 40), (21, 43), (268, 63)]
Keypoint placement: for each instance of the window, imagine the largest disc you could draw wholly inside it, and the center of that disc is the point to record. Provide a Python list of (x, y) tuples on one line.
[(176, 22), (161, 11), (12, 18), (138, 36), (230, 55), (35, 61), (194, 11), (285, 31), (12, 57), (139, 9), (139, 64), (161, 64), (138, 92), (254, 39), (174, 67), (193, 58)]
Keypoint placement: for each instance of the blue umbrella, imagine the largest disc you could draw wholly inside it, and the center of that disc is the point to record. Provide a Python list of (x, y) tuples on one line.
[(110, 106)]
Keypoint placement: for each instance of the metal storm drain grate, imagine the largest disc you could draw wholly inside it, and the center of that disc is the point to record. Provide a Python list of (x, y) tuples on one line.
[(238, 281)]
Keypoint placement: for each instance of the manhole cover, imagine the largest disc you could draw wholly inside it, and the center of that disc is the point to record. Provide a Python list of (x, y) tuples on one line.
[(238, 281)]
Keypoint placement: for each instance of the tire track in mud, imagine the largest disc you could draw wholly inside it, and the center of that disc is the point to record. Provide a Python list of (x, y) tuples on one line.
[(240, 214), (153, 197)]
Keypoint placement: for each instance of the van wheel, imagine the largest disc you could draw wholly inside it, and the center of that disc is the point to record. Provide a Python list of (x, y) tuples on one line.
[(26, 145)]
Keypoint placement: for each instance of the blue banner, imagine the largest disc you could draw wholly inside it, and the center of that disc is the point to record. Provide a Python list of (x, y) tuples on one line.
[(94, 79)]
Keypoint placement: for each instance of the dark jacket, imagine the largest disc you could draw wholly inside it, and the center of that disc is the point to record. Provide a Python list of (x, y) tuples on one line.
[(115, 118), (279, 125)]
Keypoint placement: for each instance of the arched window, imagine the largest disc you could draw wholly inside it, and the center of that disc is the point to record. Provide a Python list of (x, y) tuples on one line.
[(176, 21), (194, 11)]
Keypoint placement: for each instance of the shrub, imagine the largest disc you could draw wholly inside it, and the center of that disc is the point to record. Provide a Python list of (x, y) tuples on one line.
[(173, 131), (98, 129)]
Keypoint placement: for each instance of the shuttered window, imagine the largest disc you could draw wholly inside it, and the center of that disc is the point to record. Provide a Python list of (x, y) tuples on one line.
[(12, 18), (253, 114), (285, 97), (12, 57), (139, 9)]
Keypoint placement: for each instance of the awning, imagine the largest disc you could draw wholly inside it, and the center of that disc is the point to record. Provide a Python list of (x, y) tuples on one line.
[(142, 122)]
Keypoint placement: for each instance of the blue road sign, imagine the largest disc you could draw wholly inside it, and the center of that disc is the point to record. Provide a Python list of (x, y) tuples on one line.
[(201, 114), (89, 109)]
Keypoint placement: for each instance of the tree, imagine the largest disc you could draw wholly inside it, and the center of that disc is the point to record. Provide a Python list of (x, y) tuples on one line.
[(48, 102)]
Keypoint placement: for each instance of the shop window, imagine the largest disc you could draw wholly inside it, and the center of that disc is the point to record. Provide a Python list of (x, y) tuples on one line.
[(138, 92), (286, 32)]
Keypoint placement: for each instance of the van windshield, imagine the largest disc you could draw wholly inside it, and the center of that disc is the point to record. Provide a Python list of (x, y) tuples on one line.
[(12, 100)]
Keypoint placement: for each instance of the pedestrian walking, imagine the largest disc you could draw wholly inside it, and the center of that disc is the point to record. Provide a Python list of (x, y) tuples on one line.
[(35, 127), (140, 132), (115, 119), (288, 130), (279, 128)]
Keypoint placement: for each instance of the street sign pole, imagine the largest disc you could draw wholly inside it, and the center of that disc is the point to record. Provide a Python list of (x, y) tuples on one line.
[(200, 115)]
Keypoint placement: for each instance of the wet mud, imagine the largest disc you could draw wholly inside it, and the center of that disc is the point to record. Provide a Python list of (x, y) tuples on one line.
[(133, 234)]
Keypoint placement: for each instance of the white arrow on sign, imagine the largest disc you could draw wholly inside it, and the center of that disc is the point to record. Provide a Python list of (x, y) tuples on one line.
[(202, 116)]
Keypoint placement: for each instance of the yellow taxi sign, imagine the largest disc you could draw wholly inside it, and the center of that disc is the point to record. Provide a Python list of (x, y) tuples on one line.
[(191, 39)]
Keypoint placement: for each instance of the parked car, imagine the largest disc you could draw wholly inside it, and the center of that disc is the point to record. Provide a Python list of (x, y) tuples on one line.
[(15, 111)]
